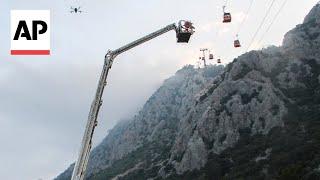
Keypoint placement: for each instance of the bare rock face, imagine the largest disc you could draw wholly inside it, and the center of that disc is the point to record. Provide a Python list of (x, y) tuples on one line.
[(314, 14), (257, 118), (195, 155), (304, 40), (245, 100), (156, 122)]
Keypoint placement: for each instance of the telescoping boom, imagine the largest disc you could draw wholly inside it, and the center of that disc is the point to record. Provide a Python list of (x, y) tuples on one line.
[(184, 29)]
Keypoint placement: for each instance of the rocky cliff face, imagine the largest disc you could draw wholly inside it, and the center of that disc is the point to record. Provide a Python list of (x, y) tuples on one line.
[(258, 119), (155, 126)]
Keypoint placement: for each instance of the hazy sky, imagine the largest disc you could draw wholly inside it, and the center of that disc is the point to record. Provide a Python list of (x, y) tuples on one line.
[(45, 100)]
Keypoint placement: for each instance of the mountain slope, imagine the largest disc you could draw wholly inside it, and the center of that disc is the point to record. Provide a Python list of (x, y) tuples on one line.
[(156, 122), (259, 119)]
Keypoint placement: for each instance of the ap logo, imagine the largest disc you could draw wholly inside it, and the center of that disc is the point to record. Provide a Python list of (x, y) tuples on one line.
[(30, 32)]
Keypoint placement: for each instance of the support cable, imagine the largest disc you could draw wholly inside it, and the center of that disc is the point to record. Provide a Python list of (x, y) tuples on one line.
[(261, 24), (272, 22), (246, 16)]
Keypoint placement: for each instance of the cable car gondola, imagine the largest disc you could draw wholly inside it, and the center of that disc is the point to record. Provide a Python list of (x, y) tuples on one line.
[(211, 56), (219, 61), (226, 16), (237, 43), (184, 31)]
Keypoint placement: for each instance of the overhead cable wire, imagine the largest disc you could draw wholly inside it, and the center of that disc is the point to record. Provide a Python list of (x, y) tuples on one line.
[(246, 16), (272, 22), (261, 24)]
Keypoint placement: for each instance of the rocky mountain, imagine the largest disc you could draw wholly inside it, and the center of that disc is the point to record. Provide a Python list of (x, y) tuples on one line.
[(154, 127), (257, 118)]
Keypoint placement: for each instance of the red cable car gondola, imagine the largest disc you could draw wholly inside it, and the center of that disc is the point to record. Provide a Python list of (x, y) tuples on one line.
[(237, 42), (210, 56), (226, 16)]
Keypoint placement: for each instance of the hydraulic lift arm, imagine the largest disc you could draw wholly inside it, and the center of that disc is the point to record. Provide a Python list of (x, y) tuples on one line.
[(183, 33), (144, 39)]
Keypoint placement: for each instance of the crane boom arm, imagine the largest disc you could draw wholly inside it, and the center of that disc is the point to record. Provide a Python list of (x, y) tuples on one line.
[(144, 39), (81, 163)]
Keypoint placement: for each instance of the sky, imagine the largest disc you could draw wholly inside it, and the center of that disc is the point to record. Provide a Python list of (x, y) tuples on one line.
[(45, 100)]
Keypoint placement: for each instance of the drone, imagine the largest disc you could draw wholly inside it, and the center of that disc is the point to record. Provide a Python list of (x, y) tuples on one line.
[(75, 10)]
